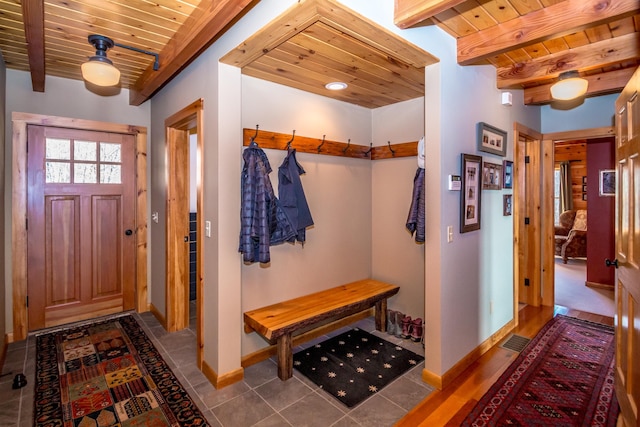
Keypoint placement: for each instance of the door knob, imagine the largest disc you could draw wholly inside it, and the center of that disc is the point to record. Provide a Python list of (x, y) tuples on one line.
[(128, 232), (609, 263)]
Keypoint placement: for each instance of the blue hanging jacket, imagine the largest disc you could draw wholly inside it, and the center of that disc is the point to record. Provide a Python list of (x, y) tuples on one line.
[(263, 221), (292, 198), (416, 217)]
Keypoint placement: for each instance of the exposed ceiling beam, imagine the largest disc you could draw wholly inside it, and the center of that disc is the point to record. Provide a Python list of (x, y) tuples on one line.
[(33, 16), (206, 24), (588, 57), (411, 12), (554, 21), (600, 84)]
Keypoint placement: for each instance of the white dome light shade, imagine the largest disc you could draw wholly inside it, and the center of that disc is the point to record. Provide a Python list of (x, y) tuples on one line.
[(569, 86), (336, 86), (100, 71)]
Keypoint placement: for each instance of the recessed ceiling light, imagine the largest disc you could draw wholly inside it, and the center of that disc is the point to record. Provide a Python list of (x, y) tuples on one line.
[(336, 86)]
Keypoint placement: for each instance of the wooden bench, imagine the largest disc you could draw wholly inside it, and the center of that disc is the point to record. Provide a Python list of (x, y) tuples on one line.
[(277, 323)]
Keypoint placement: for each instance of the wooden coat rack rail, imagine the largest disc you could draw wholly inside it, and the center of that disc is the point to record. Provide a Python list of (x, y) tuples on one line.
[(303, 144)]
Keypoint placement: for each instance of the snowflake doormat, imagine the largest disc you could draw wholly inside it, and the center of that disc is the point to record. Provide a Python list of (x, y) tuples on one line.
[(354, 365)]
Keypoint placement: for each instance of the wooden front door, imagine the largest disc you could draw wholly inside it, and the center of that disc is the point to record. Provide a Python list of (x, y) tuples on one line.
[(627, 292), (81, 246)]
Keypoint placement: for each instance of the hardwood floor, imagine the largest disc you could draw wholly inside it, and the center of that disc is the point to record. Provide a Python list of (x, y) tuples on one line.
[(449, 407)]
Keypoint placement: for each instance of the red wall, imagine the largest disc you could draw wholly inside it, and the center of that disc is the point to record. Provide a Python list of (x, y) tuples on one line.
[(600, 213)]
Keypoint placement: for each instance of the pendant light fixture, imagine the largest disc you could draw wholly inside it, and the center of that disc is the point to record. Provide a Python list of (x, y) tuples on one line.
[(99, 69), (569, 86)]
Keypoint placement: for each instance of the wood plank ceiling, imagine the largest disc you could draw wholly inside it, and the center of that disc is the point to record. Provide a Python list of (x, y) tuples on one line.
[(528, 41), (320, 41)]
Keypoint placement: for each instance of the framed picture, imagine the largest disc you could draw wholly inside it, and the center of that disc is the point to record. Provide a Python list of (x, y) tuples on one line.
[(584, 188), (608, 182), (470, 195), (506, 204), (507, 174), (584, 179), (491, 176), (584, 196), (492, 140)]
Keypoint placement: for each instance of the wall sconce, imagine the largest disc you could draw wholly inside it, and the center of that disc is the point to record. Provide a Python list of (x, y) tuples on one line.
[(569, 86), (99, 69)]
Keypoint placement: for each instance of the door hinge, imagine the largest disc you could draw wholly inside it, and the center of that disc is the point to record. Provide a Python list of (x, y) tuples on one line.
[(27, 300), (526, 221), (26, 223), (527, 159), (526, 281)]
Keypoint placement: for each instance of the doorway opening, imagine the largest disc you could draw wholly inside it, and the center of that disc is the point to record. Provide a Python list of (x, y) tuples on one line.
[(184, 208), (534, 252)]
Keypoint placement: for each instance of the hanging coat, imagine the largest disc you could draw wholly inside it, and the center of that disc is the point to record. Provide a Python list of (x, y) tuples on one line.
[(263, 221), (292, 198), (416, 217)]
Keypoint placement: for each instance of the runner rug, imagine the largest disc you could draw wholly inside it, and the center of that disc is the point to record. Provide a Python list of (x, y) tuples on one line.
[(104, 374), (564, 377), (354, 365)]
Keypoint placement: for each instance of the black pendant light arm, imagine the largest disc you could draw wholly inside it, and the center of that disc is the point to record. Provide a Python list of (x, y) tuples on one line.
[(156, 62)]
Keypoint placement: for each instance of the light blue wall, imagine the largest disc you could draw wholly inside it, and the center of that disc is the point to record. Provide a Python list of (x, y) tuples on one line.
[(592, 113)]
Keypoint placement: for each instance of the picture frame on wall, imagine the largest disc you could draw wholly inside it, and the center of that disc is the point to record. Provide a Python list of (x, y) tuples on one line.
[(491, 139), (507, 204), (491, 176), (607, 182), (470, 196), (507, 174)]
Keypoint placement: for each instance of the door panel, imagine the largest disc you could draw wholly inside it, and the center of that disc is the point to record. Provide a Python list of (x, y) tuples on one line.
[(627, 290), (81, 199)]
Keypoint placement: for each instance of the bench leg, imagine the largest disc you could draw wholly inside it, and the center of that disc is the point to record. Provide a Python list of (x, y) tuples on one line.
[(285, 357), (381, 315)]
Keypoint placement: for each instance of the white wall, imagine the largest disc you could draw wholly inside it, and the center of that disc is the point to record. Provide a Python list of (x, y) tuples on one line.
[(464, 276), (593, 112), (396, 257), (3, 230), (62, 98), (338, 190)]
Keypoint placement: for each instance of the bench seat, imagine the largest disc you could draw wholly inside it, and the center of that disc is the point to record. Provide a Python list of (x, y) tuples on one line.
[(277, 322)]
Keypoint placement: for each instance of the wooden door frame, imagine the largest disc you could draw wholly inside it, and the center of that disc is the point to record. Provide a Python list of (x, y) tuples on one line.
[(545, 287), (177, 300), (20, 122)]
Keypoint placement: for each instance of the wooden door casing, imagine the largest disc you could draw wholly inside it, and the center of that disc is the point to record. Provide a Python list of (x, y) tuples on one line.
[(80, 262), (627, 289)]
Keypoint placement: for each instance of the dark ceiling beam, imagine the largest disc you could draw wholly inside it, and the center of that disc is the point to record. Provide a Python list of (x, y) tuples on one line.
[(33, 16), (560, 19), (205, 25), (407, 13), (599, 84), (589, 57)]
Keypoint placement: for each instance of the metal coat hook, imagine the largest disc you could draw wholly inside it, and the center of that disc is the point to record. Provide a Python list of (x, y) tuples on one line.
[(393, 153), (291, 140), (347, 147), (322, 143), (366, 153), (256, 135)]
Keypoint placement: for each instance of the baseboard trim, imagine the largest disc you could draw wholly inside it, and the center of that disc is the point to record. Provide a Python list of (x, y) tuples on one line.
[(156, 313), (221, 381), (597, 285), (269, 351), (442, 381)]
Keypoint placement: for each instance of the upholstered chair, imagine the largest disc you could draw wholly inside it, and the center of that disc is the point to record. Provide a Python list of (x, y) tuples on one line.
[(571, 235)]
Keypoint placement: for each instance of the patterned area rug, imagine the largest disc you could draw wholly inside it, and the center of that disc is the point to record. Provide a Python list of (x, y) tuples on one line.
[(564, 377), (107, 374), (354, 365)]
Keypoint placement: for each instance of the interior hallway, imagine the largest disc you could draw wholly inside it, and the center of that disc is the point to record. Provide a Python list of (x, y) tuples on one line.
[(261, 399)]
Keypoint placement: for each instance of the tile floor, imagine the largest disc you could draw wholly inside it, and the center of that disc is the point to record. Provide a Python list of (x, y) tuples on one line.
[(261, 399)]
